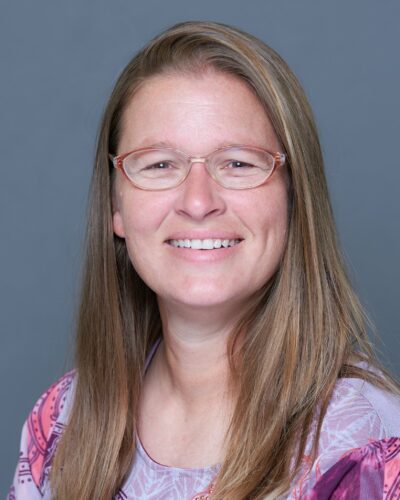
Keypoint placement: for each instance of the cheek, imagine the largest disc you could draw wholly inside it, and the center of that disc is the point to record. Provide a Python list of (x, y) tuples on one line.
[(141, 212), (273, 226), (268, 211), (277, 218), (140, 244), (141, 217)]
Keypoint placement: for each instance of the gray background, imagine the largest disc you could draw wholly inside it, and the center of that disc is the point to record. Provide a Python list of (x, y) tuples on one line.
[(58, 64)]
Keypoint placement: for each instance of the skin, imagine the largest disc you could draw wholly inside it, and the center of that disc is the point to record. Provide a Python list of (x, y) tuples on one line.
[(200, 296)]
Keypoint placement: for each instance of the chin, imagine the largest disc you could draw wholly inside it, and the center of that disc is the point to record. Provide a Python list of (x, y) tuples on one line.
[(207, 299)]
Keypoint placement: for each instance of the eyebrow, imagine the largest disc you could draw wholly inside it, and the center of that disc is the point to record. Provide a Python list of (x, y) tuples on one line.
[(160, 144), (167, 144)]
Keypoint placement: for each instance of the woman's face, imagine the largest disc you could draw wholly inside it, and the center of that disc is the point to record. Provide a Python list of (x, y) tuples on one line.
[(197, 115)]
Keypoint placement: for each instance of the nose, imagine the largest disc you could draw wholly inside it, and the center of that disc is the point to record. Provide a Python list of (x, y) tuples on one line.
[(200, 196)]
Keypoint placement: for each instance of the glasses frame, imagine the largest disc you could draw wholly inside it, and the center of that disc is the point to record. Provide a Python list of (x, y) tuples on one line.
[(118, 163)]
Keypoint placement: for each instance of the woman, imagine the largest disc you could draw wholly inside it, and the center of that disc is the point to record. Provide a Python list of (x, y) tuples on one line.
[(221, 351)]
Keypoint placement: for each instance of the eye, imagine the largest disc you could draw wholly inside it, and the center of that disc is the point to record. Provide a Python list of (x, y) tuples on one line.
[(239, 164), (160, 165)]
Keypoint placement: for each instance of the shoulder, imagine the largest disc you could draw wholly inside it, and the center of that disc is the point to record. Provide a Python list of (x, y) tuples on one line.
[(359, 442), (359, 413), (41, 433), (371, 471), (50, 408), (362, 411)]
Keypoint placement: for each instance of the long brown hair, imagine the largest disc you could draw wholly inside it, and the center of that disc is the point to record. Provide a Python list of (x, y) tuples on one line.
[(303, 329)]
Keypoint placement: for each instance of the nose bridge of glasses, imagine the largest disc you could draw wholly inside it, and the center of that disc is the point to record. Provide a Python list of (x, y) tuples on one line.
[(191, 160), (197, 159)]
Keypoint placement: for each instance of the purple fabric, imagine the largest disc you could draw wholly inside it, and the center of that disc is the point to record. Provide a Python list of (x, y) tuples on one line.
[(370, 472), (356, 459)]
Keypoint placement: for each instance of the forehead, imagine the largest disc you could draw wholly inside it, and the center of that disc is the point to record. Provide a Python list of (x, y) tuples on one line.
[(196, 113)]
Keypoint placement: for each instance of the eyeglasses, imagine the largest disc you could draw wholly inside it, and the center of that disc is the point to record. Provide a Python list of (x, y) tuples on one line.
[(232, 167)]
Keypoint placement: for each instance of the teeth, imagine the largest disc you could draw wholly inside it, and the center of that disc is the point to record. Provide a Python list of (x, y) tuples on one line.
[(208, 244), (196, 244)]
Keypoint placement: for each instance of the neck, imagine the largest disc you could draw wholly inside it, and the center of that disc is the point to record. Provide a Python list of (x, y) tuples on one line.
[(192, 362)]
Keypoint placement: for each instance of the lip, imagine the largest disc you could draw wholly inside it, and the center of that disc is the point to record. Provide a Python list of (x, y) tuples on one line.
[(204, 235), (207, 256)]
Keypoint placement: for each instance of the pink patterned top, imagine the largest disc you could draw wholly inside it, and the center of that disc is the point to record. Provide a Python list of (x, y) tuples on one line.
[(358, 456)]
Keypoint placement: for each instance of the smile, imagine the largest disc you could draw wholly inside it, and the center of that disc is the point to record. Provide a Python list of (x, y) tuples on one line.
[(207, 244)]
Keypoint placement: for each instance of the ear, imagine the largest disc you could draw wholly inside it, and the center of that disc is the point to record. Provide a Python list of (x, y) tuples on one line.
[(118, 225), (117, 219)]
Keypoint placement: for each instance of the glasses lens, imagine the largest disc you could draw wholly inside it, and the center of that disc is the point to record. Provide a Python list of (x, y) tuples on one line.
[(155, 168), (241, 168)]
